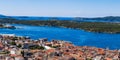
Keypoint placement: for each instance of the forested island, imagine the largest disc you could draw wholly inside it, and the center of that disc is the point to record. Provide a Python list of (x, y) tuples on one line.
[(7, 26), (100, 27)]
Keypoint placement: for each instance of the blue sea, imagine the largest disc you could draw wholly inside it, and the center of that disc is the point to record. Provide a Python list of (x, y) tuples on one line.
[(77, 37)]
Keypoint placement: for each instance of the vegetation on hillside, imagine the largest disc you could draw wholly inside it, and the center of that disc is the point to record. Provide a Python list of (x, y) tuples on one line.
[(88, 26)]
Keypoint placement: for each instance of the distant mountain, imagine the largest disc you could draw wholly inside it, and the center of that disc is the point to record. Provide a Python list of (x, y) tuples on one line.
[(108, 18), (36, 18), (103, 18), (41, 18), (2, 16)]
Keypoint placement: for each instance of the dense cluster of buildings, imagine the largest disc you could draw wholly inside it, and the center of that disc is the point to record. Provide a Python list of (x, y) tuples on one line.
[(14, 47)]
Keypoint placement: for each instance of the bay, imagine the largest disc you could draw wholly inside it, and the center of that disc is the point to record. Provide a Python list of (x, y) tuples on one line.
[(77, 37)]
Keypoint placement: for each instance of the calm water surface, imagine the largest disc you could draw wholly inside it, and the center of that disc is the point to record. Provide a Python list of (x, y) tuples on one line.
[(77, 37)]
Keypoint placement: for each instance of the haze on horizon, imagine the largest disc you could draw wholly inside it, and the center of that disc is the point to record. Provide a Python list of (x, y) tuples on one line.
[(61, 8)]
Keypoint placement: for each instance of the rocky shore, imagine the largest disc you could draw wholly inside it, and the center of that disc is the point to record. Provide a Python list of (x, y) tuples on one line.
[(7, 26)]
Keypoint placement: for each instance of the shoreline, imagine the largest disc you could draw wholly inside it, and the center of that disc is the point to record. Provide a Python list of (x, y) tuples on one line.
[(14, 35), (99, 27), (106, 32), (14, 47)]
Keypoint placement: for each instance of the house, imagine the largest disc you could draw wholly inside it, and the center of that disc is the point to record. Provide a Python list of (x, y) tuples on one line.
[(1, 47), (2, 56), (13, 52), (10, 35), (19, 58)]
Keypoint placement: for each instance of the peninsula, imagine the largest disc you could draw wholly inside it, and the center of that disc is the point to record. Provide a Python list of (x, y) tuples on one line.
[(99, 27), (7, 26)]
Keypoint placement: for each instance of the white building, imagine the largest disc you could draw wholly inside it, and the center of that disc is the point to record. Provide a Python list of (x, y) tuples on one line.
[(12, 35), (13, 51)]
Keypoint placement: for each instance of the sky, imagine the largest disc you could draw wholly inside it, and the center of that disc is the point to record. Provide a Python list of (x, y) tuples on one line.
[(61, 8)]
